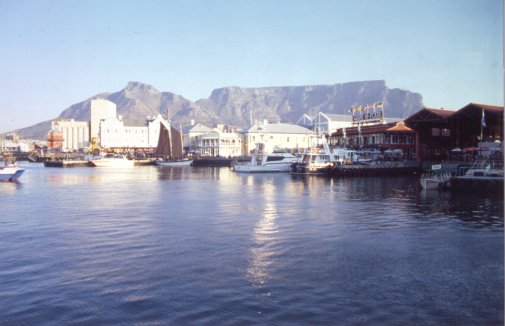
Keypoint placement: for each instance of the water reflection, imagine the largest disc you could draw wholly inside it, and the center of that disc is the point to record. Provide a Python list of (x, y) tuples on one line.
[(474, 209), (264, 237)]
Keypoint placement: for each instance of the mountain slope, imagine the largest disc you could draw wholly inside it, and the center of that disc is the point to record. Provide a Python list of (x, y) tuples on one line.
[(238, 106)]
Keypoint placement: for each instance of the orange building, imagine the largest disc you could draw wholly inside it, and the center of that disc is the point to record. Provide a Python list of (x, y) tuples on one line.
[(54, 140)]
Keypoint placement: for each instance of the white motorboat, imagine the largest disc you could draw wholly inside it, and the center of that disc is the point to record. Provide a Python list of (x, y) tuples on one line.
[(437, 178), (321, 161), (271, 162), (112, 160), (10, 171)]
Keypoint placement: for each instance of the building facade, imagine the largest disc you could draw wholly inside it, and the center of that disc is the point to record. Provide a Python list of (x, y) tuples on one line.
[(277, 135), (219, 143), (75, 134), (393, 136), (101, 109), (114, 134)]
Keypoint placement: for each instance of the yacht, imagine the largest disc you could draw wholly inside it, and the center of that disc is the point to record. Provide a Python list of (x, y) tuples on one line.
[(271, 162)]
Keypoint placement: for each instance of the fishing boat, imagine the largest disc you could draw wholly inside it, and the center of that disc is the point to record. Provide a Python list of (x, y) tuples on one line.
[(10, 171), (170, 147), (112, 161), (267, 162), (437, 178)]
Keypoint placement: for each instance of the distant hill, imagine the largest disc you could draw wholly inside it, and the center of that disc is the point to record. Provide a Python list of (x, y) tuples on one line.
[(236, 106)]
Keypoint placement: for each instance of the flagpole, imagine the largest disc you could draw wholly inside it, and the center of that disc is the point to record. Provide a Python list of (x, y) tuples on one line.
[(482, 122)]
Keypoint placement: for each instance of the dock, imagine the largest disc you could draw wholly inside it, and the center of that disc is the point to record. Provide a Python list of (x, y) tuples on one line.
[(376, 169), (65, 163)]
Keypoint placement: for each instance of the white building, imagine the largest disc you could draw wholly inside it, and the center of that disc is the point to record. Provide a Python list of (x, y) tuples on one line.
[(114, 134), (280, 135), (220, 143), (101, 109), (75, 133), (192, 133)]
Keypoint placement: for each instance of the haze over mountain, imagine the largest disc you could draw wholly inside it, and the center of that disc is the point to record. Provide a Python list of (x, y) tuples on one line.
[(239, 106)]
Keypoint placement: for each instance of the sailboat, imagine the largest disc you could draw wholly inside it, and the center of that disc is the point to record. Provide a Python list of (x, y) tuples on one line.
[(170, 148)]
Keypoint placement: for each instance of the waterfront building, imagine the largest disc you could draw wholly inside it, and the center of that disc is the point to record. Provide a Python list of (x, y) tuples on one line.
[(101, 109), (433, 133), (442, 133), (191, 135), (54, 140), (220, 142), (75, 134), (114, 134), (324, 123), (381, 136), (280, 135)]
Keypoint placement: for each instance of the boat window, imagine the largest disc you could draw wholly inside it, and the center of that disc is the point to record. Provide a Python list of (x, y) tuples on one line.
[(274, 158)]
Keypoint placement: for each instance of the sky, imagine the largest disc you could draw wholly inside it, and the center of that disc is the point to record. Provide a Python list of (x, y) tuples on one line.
[(56, 53)]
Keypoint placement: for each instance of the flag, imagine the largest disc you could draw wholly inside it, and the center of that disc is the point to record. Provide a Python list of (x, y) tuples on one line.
[(380, 105), (483, 118)]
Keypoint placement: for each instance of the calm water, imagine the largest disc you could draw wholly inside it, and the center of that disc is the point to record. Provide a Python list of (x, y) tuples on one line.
[(152, 245)]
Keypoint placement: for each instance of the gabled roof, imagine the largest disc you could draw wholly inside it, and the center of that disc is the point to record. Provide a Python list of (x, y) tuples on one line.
[(486, 107), (400, 127), (473, 111), (278, 128), (196, 128), (430, 115)]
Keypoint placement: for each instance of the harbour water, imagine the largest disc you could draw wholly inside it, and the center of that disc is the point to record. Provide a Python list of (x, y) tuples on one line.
[(152, 245)]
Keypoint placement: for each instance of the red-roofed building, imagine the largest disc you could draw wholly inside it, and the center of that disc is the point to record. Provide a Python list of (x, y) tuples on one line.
[(476, 123), (433, 133), (394, 135), (438, 131)]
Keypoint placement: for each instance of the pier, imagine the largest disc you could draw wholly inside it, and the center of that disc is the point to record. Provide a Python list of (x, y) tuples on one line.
[(65, 163), (376, 169)]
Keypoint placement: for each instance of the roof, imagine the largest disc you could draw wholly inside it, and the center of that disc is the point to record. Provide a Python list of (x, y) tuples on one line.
[(196, 128), (428, 114), (339, 117), (474, 111), (378, 128), (486, 107), (278, 128)]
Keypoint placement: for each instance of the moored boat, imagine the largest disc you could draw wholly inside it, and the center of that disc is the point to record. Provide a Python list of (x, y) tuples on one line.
[(10, 171), (437, 178), (113, 161), (270, 162)]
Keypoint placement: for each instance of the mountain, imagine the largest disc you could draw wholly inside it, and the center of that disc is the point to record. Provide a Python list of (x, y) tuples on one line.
[(237, 106)]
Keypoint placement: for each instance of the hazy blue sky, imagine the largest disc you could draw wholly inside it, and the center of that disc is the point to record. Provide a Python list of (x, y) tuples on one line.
[(56, 53)]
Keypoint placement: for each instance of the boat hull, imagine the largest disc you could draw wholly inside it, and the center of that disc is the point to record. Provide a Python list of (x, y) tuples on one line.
[(307, 168), (10, 174), (174, 163), (251, 168), (113, 163)]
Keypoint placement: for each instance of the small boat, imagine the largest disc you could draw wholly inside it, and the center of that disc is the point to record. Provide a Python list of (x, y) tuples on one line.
[(181, 162), (112, 160), (437, 178), (10, 171), (271, 162)]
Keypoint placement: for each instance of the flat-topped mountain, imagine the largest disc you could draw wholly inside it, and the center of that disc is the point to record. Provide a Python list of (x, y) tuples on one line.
[(239, 106)]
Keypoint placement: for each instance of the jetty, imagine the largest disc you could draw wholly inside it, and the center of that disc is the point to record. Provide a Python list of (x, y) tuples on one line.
[(376, 168), (65, 163)]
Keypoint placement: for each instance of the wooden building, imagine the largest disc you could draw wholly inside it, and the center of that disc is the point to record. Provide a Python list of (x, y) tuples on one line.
[(440, 131), (384, 137), (433, 133)]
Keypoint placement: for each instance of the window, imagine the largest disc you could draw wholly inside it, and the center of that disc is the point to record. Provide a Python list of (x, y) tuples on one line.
[(446, 132), (435, 131)]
